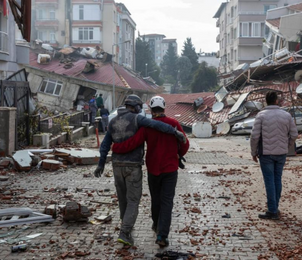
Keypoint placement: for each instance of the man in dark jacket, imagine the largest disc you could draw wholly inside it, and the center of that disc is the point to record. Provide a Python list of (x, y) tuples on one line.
[(93, 109), (162, 160), (127, 168), (105, 118)]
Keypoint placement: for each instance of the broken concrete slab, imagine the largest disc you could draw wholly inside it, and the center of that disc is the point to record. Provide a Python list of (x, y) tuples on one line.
[(80, 156), (22, 160), (52, 165)]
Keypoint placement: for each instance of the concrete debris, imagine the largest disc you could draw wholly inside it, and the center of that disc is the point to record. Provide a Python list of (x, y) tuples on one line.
[(49, 159), (74, 211), (79, 155), (22, 160), (52, 165)]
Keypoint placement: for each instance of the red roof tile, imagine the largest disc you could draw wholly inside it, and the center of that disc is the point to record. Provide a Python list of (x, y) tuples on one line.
[(274, 22), (103, 73), (180, 107), (297, 7)]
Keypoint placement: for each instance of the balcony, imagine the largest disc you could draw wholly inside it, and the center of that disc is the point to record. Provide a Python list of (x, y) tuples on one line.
[(218, 23), (218, 38), (252, 13), (3, 42), (50, 3), (47, 23), (86, 41), (250, 41)]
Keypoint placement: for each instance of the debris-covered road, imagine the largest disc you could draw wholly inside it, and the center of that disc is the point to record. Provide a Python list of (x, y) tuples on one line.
[(219, 196)]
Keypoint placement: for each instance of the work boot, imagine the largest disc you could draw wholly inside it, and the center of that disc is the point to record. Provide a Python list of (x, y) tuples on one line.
[(269, 215), (125, 238), (162, 241)]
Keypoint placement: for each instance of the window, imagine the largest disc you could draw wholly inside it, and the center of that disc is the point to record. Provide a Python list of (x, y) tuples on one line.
[(256, 29), (85, 33), (40, 14), (52, 15), (235, 55), (51, 86), (52, 36), (244, 30), (81, 12), (268, 7)]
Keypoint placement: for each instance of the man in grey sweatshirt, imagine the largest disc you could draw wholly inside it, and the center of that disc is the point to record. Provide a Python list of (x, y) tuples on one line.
[(273, 133)]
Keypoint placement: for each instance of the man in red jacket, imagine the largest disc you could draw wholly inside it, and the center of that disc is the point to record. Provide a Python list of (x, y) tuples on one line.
[(162, 160)]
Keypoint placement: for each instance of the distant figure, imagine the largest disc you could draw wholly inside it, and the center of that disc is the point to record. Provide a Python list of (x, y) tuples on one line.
[(273, 133), (105, 118), (93, 109), (100, 101)]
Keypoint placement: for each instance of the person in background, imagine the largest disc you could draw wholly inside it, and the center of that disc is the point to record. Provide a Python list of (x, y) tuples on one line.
[(100, 101), (105, 118), (162, 160), (127, 168), (93, 109), (273, 133)]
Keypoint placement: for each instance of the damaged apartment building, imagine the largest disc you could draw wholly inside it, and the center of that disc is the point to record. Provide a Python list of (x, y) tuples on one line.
[(66, 79)]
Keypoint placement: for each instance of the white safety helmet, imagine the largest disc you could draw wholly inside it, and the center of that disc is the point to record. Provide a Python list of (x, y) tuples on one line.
[(157, 101)]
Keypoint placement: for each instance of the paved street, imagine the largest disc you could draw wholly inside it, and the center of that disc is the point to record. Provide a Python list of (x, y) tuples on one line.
[(219, 196)]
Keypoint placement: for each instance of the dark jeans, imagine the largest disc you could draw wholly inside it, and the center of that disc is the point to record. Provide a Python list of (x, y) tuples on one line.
[(128, 184), (162, 190), (272, 167)]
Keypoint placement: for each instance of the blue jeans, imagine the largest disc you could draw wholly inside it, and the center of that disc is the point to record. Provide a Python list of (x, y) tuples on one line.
[(272, 167)]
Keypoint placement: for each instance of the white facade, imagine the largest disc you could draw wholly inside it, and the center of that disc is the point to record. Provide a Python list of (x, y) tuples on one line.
[(159, 45), (87, 35), (86, 12)]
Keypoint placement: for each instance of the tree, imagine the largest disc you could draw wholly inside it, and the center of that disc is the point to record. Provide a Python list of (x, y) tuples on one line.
[(189, 51), (184, 66), (205, 78), (143, 57), (169, 65)]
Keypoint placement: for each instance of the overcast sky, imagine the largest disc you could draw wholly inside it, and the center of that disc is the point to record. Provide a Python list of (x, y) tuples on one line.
[(177, 19)]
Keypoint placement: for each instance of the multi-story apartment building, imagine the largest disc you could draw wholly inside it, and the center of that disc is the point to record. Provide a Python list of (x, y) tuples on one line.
[(14, 51), (48, 21), (241, 26), (126, 34), (284, 26), (86, 23), (159, 46)]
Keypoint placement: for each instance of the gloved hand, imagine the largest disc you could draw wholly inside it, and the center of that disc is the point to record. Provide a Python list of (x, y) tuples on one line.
[(180, 164), (180, 136), (98, 171)]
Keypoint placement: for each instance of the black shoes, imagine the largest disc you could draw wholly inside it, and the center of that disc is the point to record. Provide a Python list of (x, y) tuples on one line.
[(154, 228), (125, 238), (269, 215), (162, 241)]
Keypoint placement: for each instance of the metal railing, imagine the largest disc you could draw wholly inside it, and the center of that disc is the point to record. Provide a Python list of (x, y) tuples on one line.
[(3, 42)]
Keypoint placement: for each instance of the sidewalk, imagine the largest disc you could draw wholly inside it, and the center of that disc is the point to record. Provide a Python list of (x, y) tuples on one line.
[(220, 179)]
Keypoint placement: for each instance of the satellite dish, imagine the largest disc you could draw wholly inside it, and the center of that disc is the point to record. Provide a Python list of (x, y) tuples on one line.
[(217, 107), (223, 128), (298, 76), (202, 108), (299, 89)]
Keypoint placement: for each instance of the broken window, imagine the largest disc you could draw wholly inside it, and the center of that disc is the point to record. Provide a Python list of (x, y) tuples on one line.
[(51, 86)]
